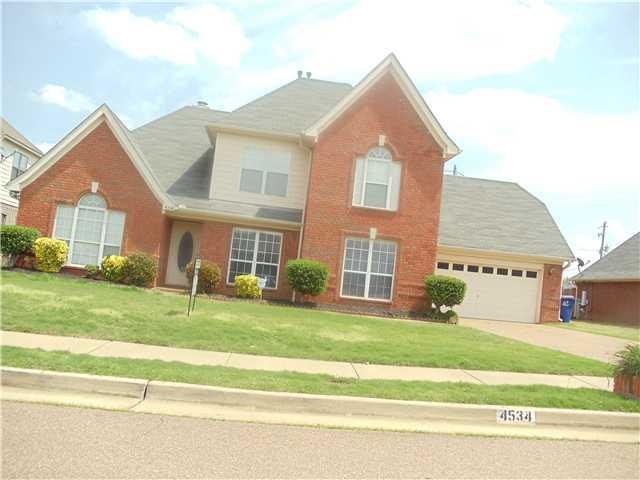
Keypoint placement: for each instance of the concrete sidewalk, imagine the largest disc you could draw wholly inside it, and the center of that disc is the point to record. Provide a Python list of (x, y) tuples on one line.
[(106, 348), (590, 345)]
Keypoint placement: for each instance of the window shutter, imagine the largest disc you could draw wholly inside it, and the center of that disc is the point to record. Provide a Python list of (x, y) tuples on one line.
[(396, 168), (358, 178)]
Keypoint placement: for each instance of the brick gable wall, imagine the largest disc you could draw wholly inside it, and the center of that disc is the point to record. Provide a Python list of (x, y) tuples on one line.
[(99, 157), (611, 302), (330, 217)]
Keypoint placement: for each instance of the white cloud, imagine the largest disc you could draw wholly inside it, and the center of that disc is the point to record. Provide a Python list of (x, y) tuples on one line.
[(44, 146), (541, 143), (185, 34), (65, 97), (445, 40)]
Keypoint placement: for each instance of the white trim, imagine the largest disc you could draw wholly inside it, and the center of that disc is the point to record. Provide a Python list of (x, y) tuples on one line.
[(368, 272), (185, 213), (389, 64), (254, 261), (101, 114)]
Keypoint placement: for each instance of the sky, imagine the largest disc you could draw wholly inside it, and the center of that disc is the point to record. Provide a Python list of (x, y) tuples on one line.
[(543, 94)]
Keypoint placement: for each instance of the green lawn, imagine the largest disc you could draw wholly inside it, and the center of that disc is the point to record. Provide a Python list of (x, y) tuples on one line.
[(619, 331), (54, 304), (533, 395)]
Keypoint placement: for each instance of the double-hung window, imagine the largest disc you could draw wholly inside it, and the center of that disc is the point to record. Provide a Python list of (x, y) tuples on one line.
[(91, 231), (256, 253), (19, 165), (368, 269), (377, 180), (265, 172)]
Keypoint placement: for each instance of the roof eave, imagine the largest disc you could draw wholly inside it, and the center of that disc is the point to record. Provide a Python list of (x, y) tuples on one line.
[(21, 144), (213, 128), (200, 213)]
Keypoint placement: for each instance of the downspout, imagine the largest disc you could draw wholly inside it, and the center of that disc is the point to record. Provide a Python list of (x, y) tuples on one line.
[(304, 209)]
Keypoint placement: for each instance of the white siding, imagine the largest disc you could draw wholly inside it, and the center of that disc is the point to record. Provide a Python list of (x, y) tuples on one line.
[(230, 150), (8, 148)]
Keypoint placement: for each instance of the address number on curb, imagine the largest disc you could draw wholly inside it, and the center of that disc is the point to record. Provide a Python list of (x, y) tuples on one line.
[(515, 416)]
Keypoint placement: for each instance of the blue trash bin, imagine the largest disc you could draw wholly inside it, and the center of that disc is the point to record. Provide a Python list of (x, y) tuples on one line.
[(566, 307)]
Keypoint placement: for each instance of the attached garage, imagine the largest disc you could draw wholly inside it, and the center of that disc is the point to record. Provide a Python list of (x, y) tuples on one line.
[(496, 291)]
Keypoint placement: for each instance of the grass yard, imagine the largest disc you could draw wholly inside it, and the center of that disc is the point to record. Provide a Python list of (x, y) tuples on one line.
[(59, 305), (531, 395), (619, 331)]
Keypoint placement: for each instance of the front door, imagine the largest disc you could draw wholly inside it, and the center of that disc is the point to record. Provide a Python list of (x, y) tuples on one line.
[(185, 243)]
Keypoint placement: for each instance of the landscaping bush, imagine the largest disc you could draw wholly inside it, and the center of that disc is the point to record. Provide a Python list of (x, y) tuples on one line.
[(628, 362), (307, 277), (208, 278), (17, 240), (247, 286), (445, 317), (112, 266), (139, 269), (50, 254), (445, 291), (93, 271)]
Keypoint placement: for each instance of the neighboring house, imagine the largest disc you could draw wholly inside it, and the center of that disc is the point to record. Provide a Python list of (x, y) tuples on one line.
[(609, 290), (350, 176), (17, 154)]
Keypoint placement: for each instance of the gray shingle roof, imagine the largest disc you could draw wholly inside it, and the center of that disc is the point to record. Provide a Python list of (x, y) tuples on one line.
[(621, 263), (10, 131), (499, 216), (289, 109)]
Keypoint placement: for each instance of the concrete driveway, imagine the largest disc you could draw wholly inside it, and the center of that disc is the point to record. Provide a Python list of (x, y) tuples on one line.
[(598, 347)]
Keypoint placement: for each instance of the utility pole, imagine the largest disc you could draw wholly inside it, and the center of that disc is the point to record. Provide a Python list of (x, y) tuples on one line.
[(601, 235)]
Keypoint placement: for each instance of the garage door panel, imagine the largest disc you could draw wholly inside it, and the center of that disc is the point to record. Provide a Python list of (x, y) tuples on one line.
[(497, 297)]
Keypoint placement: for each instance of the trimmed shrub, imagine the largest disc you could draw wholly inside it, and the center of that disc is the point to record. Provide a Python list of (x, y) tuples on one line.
[(307, 277), (50, 254), (247, 286), (93, 271), (208, 278), (139, 269), (17, 240), (112, 266), (445, 291)]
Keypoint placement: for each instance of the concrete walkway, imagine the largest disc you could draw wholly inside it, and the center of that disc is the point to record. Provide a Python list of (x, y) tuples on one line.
[(106, 348), (590, 345)]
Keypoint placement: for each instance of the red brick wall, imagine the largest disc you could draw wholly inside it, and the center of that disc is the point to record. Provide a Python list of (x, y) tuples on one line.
[(99, 157), (551, 292), (612, 302), (215, 244), (330, 217)]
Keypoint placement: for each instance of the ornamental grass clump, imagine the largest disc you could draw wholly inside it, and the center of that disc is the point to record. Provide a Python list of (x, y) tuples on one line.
[(51, 254)]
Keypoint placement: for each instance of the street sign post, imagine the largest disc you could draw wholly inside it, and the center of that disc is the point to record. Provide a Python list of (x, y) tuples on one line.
[(194, 286)]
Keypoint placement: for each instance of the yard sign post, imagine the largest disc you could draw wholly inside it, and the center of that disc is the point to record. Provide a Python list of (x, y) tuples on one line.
[(194, 286)]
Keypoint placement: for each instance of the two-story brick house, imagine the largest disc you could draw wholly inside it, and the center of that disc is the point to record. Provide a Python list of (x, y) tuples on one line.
[(351, 176)]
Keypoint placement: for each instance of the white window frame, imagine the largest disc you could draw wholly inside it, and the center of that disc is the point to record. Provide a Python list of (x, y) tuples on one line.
[(254, 260), (72, 239), (389, 184), (19, 157), (265, 171), (368, 272)]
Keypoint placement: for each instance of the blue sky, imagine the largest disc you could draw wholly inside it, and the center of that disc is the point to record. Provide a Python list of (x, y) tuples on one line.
[(543, 94)]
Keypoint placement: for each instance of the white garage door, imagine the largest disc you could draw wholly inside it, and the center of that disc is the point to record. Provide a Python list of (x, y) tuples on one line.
[(496, 292)]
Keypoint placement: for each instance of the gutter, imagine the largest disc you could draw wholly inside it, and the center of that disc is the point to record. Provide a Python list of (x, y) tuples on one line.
[(182, 212)]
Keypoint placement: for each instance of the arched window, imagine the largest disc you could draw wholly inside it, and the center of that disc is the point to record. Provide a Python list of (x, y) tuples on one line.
[(377, 180), (91, 231)]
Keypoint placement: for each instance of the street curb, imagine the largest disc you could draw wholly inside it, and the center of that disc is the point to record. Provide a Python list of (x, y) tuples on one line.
[(280, 402), (79, 382)]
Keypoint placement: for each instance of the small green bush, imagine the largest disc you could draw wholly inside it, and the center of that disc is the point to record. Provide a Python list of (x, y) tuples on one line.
[(51, 254), (208, 278), (307, 277), (93, 271), (444, 317), (247, 286), (139, 269), (17, 240), (112, 268), (628, 361), (445, 291)]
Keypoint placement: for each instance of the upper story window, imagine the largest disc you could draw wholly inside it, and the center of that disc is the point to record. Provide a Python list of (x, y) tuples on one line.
[(19, 165), (265, 172), (91, 231), (377, 180)]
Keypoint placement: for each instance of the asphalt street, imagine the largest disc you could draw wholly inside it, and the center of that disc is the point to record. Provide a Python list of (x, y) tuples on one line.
[(45, 441)]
